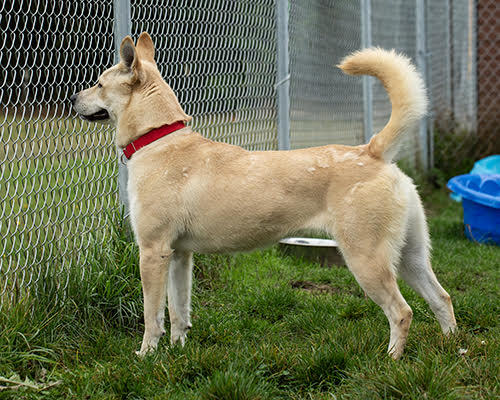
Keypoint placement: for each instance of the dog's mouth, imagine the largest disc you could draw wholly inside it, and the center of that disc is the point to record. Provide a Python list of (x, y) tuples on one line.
[(100, 115)]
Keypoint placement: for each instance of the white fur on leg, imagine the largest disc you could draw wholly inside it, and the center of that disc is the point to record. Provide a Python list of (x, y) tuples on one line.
[(149, 344), (152, 334), (179, 296), (415, 269), (153, 266), (418, 274)]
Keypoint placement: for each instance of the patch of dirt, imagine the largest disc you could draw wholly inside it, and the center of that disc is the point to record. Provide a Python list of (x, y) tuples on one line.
[(315, 287)]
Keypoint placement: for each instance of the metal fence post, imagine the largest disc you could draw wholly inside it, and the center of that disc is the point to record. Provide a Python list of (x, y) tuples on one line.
[(472, 58), (421, 59), (283, 75), (366, 41), (121, 27)]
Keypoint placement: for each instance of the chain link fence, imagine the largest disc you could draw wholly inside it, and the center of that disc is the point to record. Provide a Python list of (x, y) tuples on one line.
[(219, 57), (326, 106), (58, 174), (463, 40), (488, 77)]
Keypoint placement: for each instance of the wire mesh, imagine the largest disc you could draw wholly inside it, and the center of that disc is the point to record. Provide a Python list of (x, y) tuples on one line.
[(57, 174), (220, 59), (463, 43), (326, 106), (439, 60), (464, 46), (488, 76), (394, 27)]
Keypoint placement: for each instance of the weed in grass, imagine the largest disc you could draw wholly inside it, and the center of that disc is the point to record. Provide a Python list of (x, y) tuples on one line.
[(207, 269), (235, 384), (319, 313), (274, 362), (419, 379), (216, 326), (187, 366), (355, 309), (271, 303), (320, 368)]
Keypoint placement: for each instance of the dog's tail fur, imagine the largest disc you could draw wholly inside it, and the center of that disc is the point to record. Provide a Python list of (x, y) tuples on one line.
[(406, 91)]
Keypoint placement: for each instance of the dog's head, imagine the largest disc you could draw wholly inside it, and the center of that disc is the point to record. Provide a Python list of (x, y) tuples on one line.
[(131, 95)]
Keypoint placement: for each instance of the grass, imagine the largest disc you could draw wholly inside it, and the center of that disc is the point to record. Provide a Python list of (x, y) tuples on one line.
[(255, 335)]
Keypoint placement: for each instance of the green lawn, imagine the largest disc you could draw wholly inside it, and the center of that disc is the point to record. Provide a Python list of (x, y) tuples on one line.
[(255, 336)]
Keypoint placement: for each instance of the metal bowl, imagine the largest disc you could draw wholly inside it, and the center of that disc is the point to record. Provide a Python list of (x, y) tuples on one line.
[(323, 251)]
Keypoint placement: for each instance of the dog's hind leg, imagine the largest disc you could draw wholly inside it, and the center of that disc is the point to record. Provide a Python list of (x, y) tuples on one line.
[(373, 271), (179, 295), (154, 261), (415, 268)]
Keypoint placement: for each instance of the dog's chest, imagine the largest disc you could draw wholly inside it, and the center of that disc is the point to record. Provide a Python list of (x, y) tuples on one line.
[(132, 191)]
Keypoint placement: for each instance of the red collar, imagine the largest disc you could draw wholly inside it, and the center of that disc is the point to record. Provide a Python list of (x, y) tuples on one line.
[(150, 137)]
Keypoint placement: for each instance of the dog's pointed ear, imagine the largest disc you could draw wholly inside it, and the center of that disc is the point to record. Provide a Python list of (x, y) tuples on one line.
[(146, 48), (128, 54)]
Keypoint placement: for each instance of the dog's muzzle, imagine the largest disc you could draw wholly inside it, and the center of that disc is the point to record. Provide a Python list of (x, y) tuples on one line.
[(99, 115)]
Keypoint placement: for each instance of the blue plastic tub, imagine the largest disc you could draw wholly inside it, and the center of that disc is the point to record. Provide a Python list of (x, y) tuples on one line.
[(488, 165), (481, 204)]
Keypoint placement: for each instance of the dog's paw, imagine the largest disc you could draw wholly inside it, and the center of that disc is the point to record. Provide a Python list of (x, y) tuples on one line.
[(396, 354), (145, 351), (149, 345), (450, 330), (178, 335), (140, 353)]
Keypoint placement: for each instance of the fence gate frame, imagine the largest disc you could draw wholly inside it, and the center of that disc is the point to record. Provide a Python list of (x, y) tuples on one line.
[(122, 26)]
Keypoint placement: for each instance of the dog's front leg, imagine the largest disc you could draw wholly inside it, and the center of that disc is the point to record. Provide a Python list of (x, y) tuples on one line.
[(154, 261), (179, 296)]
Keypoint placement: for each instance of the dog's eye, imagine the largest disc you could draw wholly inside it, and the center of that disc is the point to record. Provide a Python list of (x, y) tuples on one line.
[(99, 85)]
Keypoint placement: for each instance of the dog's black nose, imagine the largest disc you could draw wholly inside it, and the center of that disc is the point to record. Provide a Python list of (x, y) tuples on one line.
[(72, 98)]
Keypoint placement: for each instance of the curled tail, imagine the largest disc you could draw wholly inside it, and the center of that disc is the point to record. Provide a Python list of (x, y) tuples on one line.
[(406, 91)]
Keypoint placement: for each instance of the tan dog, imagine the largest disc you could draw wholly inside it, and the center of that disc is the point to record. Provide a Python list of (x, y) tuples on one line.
[(190, 194)]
